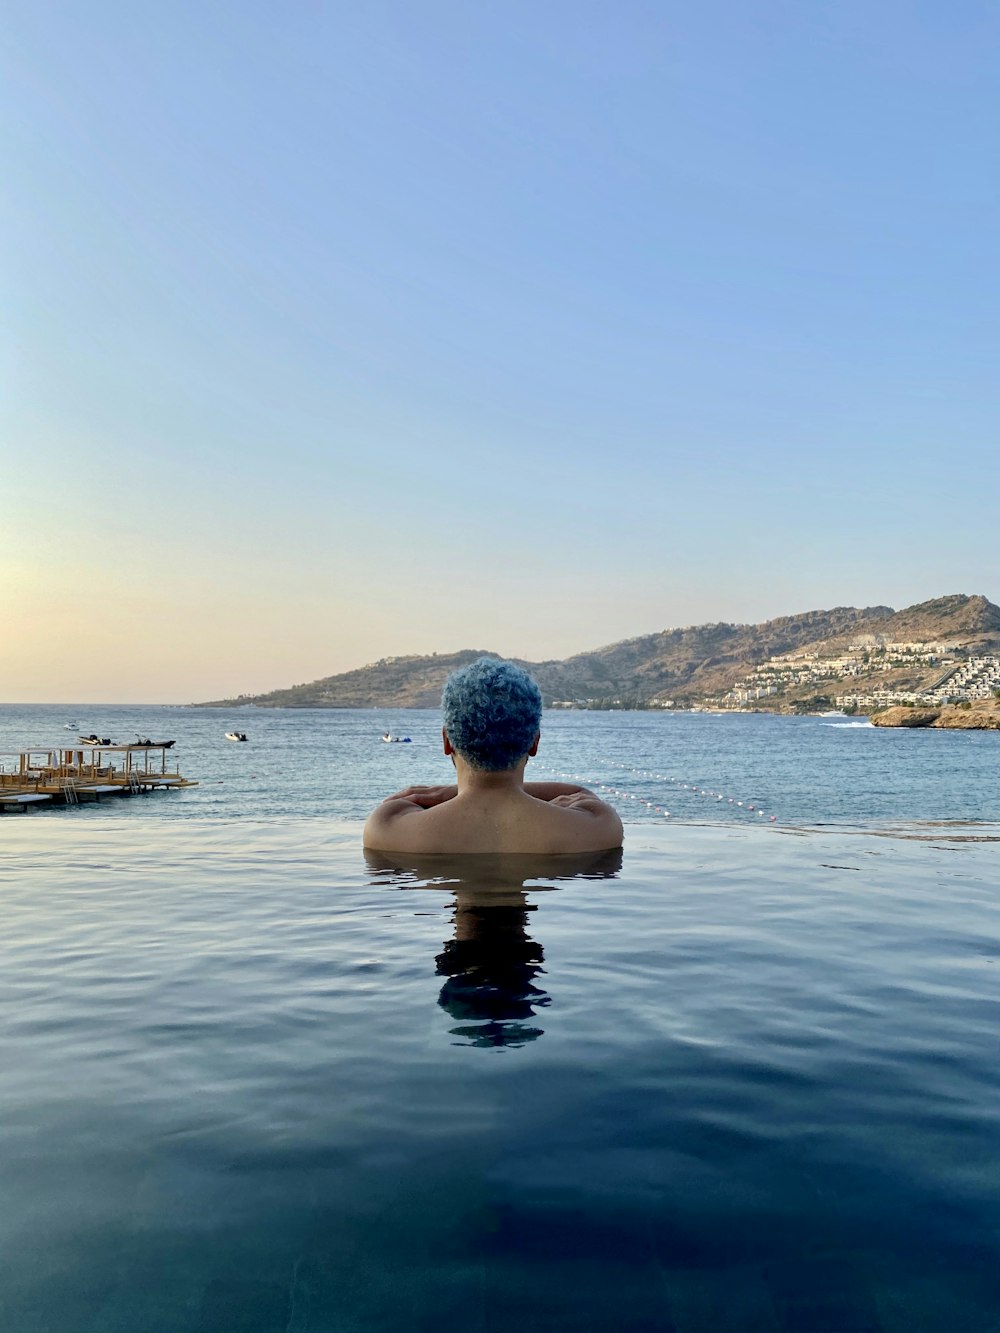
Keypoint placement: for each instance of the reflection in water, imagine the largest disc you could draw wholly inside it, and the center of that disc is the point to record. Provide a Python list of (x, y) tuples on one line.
[(492, 965)]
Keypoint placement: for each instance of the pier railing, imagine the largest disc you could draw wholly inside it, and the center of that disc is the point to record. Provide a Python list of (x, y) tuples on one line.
[(86, 771)]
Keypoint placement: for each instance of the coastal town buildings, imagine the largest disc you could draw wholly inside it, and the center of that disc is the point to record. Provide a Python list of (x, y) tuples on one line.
[(949, 676), (976, 678)]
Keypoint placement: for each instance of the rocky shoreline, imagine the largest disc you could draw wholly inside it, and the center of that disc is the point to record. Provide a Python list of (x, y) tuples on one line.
[(948, 718)]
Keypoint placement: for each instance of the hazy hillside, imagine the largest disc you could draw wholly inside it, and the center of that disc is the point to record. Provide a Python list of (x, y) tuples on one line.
[(682, 664), (686, 664), (957, 618)]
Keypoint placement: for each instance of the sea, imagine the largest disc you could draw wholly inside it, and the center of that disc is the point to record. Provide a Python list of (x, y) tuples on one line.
[(740, 1076)]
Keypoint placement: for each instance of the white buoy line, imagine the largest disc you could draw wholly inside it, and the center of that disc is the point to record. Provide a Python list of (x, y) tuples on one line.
[(750, 807)]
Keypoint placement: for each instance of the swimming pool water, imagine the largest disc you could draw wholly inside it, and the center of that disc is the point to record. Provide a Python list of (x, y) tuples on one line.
[(250, 1080)]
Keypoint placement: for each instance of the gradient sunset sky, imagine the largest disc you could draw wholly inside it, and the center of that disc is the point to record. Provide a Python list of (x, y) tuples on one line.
[(334, 331)]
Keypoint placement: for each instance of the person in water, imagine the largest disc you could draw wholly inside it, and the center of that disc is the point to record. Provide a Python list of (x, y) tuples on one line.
[(492, 714)]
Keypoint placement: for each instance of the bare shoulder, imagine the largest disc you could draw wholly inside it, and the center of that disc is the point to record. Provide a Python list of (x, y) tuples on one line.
[(597, 825), (398, 824), (388, 820)]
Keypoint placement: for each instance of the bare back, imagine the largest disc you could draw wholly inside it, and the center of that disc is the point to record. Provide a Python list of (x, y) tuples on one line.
[(487, 820)]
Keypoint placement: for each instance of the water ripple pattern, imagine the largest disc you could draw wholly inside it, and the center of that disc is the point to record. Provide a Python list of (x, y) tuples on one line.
[(739, 1077)]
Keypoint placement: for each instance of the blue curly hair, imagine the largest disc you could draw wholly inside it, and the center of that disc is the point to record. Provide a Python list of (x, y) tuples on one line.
[(492, 712)]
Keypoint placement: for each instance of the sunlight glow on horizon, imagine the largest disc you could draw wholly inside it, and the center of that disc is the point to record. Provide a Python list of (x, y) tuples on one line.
[(496, 328)]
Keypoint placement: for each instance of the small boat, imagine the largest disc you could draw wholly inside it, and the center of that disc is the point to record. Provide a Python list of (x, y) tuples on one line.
[(390, 739), (152, 745), (94, 739), (236, 735)]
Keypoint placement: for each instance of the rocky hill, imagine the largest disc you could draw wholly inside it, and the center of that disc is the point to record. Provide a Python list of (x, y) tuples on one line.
[(685, 665), (971, 621)]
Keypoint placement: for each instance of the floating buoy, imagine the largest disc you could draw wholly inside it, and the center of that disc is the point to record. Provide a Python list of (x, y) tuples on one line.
[(622, 795)]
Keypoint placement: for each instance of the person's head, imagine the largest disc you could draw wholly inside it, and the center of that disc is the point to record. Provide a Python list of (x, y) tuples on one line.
[(492, 712)]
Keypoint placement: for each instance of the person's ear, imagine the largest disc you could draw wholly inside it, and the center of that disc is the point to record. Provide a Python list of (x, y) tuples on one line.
[(534, 746), (448, 747)]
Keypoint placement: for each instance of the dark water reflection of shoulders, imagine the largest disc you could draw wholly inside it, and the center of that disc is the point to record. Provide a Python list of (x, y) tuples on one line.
[(491, 964)]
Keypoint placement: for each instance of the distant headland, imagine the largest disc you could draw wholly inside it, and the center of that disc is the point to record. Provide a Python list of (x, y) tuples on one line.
[(939, 653)]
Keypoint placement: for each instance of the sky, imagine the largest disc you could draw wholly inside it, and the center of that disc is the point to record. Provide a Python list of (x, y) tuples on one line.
[(336, 331)]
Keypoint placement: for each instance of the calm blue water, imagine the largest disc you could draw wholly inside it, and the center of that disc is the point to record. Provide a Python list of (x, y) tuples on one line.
[(327, 763), (744, 1078)]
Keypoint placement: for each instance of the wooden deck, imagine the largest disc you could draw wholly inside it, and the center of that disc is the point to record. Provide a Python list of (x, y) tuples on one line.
[(70, 775)]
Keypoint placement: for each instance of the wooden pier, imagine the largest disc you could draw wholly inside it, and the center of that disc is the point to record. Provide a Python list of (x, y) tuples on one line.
[(47, 774)]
